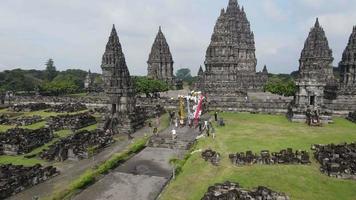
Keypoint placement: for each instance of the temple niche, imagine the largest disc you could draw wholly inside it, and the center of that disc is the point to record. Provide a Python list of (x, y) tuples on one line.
[(314, 78), (230, 58), (160, 61), (124, 116), (347, 66)]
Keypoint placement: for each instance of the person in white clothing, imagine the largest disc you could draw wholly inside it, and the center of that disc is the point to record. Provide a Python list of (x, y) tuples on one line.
[(174, 134)]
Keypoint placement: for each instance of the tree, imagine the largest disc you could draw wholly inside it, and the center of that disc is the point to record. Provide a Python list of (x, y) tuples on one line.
[(184, 74), (149, 87), (51, 71)]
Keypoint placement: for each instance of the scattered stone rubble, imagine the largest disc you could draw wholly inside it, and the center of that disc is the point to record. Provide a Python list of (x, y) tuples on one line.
[(285, 156), (233, 191), (211, 156), (100, 110), (337, 160), (72, 122), (68, 107), (21, 121), (16, 178), (77, 146), (21, 141), (4, 119), (29, 107), (352, 117)]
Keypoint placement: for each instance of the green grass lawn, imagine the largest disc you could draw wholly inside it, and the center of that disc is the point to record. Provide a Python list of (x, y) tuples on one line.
[(265, 132)]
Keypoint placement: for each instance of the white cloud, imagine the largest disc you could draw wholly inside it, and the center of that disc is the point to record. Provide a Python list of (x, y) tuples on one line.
[(75, 32)]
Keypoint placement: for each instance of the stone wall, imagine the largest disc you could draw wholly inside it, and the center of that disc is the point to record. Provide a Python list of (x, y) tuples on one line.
[(16, 178), (254, 102), (342, 105)]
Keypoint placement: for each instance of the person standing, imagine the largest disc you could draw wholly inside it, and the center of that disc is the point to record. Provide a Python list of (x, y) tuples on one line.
[(216, 116), (174, 134)]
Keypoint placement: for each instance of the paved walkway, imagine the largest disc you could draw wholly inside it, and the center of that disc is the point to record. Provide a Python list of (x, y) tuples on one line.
[(71, 170), (143, 176)]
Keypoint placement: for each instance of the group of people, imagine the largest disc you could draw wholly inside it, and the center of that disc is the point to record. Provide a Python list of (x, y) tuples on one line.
[(204, 126)]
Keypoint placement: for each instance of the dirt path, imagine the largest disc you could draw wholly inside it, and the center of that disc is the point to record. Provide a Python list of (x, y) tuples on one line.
[(143, 176), (71, 170)]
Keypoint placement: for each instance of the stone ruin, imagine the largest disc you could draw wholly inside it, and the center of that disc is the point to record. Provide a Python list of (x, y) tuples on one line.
[(72, 122), (230, 58), (347, 66), (16, 178), (160, 61), (21, 141), (352, 117), (316, 80), (211, 156), (233, 191), (101, 110), (337, 160), (29, 107), (68, 107), (77, 146), (124, 116), (285, 156), (20, 121)]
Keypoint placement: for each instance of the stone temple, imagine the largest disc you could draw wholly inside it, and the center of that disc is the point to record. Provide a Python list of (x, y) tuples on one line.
[(347, 66), (119, 88), (160, 61), (230, 58), (315, 76)]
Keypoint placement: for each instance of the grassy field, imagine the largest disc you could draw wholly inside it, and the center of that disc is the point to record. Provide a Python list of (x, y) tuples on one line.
[(259, 132)]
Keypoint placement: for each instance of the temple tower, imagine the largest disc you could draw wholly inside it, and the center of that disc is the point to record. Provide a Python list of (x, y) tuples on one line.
[(315, 74), (160, 61), (230, 58), (119, 87), (347, 66), (88, 82)]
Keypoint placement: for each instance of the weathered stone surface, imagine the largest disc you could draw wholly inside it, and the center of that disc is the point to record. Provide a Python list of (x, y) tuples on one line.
[(16, 178), (20, 121), (285, 156), (160, 61), (21, 141), (347, 66), (68, 107), (29, 107), (124, 116), (73, 122), (212, 156), (315, 77), (233, 191), (78, 146), (337, 160), (230, 58)]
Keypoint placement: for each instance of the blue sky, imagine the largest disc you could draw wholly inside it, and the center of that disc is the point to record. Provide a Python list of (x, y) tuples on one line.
[(74, 33)]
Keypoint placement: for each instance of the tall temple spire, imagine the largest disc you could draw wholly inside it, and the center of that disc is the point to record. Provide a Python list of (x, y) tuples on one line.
[(233, 3), (160, 61), (230, 58), (316, 57), (316, 79), (119, 88), (265, 71), (115, 71), (348, 63), (317, 24), (200, 72)]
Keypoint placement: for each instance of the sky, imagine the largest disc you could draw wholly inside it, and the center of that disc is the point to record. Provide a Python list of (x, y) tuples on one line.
[(74, 33)]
